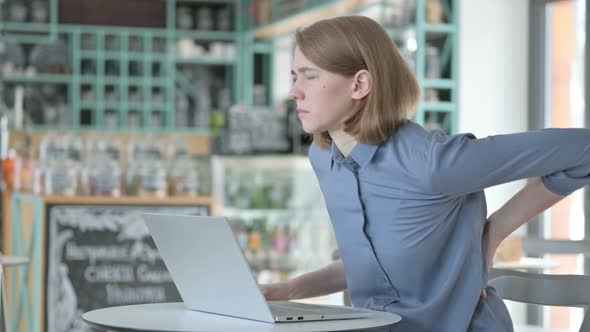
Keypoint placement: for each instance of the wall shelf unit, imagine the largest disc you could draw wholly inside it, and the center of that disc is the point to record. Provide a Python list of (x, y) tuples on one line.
[(127, 71), (425, 31), (135, 74)]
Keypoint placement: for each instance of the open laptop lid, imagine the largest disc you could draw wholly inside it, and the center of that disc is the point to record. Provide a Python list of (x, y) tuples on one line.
[(207, 265)]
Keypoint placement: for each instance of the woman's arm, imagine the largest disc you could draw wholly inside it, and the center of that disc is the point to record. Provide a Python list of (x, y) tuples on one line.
[(533, 199), (462, 164), (327, 280)]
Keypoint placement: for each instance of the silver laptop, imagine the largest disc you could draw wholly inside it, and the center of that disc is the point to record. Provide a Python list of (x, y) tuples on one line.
[(212, 275)]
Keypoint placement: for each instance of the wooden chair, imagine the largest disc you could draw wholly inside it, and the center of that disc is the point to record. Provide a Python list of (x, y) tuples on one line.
[(544, 289)]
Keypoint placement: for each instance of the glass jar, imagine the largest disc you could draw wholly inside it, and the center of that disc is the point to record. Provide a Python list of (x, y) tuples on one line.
[(24, 172), (17, 11), (204, 18), (434, 12), (48, 149), (40, 11), (72, 147), (61, 178), (433, 63), (184, 18), (106, 178), (203, 166), (38, 176), (184, 178), (152, 180), (84, 186), (223, 19)]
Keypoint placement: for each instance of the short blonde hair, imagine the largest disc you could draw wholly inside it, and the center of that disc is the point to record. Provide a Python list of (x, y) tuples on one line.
[(344, 45)]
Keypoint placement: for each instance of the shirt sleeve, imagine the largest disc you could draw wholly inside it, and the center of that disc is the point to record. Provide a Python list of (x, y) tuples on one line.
[(462, 164)]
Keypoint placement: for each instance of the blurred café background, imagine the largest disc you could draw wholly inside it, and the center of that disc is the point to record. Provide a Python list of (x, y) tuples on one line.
[(115, 107)]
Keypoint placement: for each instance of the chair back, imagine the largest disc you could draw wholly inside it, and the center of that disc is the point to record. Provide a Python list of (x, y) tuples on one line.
[(544, 289)]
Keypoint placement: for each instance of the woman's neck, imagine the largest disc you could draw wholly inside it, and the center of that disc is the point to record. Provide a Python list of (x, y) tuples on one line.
[(343, 141)]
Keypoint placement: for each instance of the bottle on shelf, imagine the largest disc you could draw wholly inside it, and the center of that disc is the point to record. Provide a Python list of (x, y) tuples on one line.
[(204, 19), (184, 18), (25, 163), (433, 65), (434, 11), (105, 173), (61, 178), (184, 178), (152, 180), (17, 11), (8, 165), (63, 155), (223, 19)]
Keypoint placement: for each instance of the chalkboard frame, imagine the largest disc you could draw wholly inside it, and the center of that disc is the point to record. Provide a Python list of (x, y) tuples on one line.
[(63, 307)]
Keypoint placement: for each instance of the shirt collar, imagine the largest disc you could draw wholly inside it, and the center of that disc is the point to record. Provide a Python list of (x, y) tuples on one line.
[(362, 154)]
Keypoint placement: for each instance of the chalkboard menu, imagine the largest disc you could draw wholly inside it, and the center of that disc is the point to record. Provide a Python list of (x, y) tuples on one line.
[(102, 256)]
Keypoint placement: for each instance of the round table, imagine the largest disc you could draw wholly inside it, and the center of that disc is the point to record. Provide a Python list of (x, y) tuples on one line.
[(175, 317)]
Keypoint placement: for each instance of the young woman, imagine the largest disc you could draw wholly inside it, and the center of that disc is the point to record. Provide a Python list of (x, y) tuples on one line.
[(407, 205)]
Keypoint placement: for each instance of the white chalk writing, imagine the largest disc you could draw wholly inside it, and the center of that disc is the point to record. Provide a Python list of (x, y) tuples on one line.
[(117, 294), (109, 273)]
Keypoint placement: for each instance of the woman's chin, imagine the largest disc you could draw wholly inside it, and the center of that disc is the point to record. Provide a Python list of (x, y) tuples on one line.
[(311, 131)]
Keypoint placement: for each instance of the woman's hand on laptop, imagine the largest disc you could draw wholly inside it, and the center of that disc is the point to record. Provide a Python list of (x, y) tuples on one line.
[(327, 280), (280, 291)]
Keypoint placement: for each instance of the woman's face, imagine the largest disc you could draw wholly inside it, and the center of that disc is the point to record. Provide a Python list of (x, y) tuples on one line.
[(324, 99)]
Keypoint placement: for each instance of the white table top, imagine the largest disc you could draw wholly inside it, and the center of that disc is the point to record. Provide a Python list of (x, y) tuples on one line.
[(528, 264), (174, 317), (13, 260)]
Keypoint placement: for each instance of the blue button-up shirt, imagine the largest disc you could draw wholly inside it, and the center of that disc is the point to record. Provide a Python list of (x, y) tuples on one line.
[(409, 213)]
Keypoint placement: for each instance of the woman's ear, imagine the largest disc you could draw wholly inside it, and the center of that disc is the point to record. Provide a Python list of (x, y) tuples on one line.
[(362, 84)]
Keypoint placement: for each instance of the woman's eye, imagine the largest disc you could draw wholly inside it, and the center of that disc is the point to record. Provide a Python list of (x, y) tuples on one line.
[(310, 77)]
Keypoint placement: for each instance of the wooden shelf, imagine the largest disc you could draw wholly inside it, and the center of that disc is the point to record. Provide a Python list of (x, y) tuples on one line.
[(205, 60), (37, 78), (439, 107), (196, 139), (439, 84), (126, 200), (122, 200), (290, 24)]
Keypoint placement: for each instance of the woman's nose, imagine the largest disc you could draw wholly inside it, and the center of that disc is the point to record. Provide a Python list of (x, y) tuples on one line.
[(295, 93)]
